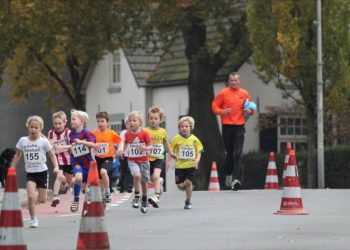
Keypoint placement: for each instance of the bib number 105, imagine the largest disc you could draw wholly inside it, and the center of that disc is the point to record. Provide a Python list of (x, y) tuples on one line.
[(187, 153)]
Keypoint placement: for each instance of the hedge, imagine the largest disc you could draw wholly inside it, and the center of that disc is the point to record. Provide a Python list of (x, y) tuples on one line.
[(337, 168)]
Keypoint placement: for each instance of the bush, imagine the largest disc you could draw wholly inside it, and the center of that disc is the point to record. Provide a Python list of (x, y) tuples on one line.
[(337, 168)]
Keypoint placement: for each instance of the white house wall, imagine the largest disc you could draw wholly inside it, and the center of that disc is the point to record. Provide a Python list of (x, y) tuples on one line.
[(131, 97)]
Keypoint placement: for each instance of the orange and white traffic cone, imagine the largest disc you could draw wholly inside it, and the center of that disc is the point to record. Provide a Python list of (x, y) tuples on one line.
[(271, 181), (291, 203), (11, 223), (286, 159), (93, 233), (214, 179)]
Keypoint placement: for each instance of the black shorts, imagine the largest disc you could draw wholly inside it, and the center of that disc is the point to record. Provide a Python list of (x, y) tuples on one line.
[(66, 169), (105, 163), (182, 174), (159, 163), (40, 178)]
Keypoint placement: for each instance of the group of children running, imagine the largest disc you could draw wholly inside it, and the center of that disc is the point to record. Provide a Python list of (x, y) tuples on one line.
[(72, 150)]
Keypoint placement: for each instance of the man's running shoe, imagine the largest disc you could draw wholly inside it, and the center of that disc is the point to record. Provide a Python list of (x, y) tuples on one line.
[(236, 184), (144, 207), (107, 197), (135, 202), (154, 201), (55, 201), (188, 205), (34, 223), (228, 181), (74, 206)]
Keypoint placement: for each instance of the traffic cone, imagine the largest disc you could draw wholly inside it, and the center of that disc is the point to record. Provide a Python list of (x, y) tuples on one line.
[(214, 180), (11, 223), (286, 159), (271, 181), (93, 233), (291, 203)]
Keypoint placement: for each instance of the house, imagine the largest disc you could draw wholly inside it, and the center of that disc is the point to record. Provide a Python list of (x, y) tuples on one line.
[(135, 80)]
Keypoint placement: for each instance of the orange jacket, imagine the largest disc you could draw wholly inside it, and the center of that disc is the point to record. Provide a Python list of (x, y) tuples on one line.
[(233, 99)]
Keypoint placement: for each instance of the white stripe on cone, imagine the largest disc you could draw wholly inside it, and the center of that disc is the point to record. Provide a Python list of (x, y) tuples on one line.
[(10, 201), (271, 179), (291, 171), (214, 174), (93, 193), (291, 192), (92, 225), (11, 236), (271, 165)]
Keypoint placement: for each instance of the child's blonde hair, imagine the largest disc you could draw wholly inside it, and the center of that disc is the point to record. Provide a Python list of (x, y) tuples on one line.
[(188, 119), (83, 116), (155, 110), (37, 119), (61, 115), (135, 114)]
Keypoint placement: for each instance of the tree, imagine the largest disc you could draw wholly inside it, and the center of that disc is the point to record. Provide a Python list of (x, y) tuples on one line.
[(212, 33), (51, 45), (283, 34)]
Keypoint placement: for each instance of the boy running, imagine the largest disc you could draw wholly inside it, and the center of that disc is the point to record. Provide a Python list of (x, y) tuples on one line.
[(138, 143), (105, 153), (156, 157), (82, 140), (188, 149)]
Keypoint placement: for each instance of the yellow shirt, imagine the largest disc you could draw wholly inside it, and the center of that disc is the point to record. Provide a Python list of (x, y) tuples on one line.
[(186, 150), (158, 137)]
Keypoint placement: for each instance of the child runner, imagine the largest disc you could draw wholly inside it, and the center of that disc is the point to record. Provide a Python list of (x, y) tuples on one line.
[(105, 153), (126, 181), (59, 138), (81, 141), (34, 148), (138, 143), (156, 157), (188, 149)]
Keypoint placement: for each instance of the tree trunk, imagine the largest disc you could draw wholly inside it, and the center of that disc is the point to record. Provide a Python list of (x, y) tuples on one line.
[(311, 152), (201, 94)]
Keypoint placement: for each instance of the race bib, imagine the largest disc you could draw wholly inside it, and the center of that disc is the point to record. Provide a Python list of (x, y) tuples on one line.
[(103, 149), (157, 150), (134, 152), (79, 150), (57, 147), (187, 153), (33, 157)]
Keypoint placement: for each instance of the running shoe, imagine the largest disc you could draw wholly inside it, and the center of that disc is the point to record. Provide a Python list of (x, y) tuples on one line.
[(144, 207), (107, 197), (236, 184), (34, 223), (74, 206), (135, 202), (55, 201), (154, 201), (188, 205), (228, 181)]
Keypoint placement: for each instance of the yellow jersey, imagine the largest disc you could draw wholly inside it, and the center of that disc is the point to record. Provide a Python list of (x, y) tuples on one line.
[(186, 150), (158, 137)]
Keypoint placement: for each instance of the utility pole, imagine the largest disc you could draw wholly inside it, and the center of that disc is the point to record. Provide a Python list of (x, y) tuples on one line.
[(320, 140)]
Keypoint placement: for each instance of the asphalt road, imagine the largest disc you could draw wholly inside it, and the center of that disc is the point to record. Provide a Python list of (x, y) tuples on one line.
[(218, 220)]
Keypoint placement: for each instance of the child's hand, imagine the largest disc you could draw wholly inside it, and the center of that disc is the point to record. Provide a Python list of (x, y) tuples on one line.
[(173, 156), (55, 170), (118, 153), (77, 141), (196, 162)]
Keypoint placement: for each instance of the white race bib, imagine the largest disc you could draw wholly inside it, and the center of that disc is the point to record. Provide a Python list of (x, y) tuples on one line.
[(57, 147), (103, 149), (187, 153), (134, 152), (79, 150), (33, 157), (157, 150)]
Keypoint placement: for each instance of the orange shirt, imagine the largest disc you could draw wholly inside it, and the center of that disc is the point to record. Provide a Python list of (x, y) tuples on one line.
[(106, 139), (233, 99)]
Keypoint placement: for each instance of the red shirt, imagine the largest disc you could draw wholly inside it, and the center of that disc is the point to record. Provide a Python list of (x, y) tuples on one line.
[(141, 138)]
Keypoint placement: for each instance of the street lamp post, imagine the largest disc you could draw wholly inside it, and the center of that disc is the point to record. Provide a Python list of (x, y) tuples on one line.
[(320, 140)]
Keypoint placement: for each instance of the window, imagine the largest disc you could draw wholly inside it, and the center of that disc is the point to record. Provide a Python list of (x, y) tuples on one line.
[(116, 122), (116, 68), (292, 128)]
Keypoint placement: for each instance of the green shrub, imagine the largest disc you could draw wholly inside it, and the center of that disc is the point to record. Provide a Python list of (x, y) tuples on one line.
[(337, 168)]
